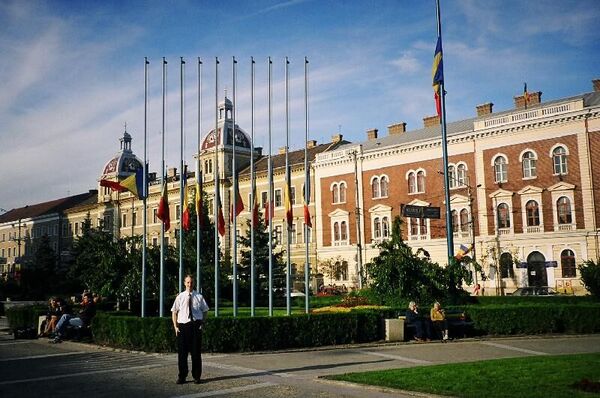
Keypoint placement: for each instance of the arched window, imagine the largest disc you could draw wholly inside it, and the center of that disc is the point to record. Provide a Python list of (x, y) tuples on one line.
[(455, 226), (336, 231), (452, 180), (532, 211), (343, 231), (421, 181), (503, 215), (506, 266), (461, 175), (464, 220), (412, 182), (529, 165), (377, 227), (567, 263), (383, 187), (500, 169), (335, 193), (559, 160), (563, 209), (385, 227), (375, 188), (342, 192)]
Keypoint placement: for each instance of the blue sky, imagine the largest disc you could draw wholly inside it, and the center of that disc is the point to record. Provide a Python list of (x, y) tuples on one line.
[(72, 72)]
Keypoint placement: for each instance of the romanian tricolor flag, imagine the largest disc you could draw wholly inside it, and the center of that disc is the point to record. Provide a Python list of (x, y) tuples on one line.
[(163, 208), (437, 74), (114, 185), (135, 183), (289, 211), (463, 251)]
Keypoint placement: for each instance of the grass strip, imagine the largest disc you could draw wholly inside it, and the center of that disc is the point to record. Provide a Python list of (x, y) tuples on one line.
[(543, 377)]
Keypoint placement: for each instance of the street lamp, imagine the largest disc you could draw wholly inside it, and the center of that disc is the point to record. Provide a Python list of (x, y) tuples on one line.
[(18, 239)]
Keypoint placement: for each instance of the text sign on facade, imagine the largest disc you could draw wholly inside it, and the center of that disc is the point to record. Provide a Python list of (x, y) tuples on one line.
[(420, 211)]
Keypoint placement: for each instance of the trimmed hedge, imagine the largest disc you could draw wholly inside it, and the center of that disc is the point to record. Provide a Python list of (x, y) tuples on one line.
[(535, 318), (24, 316), (226, 334)]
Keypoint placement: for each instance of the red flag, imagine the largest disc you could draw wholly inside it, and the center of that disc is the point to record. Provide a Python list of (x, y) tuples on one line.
[(163, 208), (255, 209), (186, 217), (269, 209), (239, 204), (307, 220), (220, 218)]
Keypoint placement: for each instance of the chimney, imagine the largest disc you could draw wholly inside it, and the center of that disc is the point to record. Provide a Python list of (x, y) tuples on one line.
[(534, 99), (282, 150), (397, 129), (431, 121), (311, 143), (484, 109), (172, 172), (372, 134), (596, 84), (336, 138)]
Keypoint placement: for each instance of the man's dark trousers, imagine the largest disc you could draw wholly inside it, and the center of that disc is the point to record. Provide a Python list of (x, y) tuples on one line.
[(189, 341)]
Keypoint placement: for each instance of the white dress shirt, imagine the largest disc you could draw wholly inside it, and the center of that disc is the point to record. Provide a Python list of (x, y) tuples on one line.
[(181, 306)]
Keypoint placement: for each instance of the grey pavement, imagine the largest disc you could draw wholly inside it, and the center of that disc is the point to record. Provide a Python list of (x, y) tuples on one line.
[(30, 368)]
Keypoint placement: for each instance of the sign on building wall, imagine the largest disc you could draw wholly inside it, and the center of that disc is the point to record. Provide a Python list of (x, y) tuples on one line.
[(414, 211)]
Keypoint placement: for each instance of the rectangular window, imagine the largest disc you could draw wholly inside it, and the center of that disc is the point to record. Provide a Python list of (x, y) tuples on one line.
[(177, 212), (154, 242), (155, 215), (278, 200), (293, 235), (278, 235), (3, 253), (55, 229), (293, 195), (307, 235), (134, 219), (264, 198), (76, 228), (124, 223)]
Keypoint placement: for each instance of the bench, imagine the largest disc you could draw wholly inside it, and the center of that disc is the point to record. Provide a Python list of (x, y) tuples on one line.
[(400, 330)]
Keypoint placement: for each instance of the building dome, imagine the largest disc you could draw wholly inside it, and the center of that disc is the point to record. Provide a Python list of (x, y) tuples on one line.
[(225, 120), (124, 163)]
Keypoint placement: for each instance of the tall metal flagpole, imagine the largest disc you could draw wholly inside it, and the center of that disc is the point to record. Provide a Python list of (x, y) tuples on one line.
[(235, 190), (182, 177), (145, 188), (162, 224), (198, 171), (216, 182), (270, 206), (252, 192), (306, 192), (288, 297), (442, 93)]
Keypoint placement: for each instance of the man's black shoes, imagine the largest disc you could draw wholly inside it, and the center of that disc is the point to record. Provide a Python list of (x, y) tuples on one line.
[(197, 381), (180, 381)]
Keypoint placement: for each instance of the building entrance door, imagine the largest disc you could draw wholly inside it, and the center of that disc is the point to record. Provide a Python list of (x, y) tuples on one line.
[(536, 269)]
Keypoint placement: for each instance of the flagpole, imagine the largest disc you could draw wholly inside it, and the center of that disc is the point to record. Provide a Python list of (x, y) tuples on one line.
[(216, 203), (442, 93), (288, 296), (270, 167), (198, 171), (306, 191), (252, 191), (235, 194), (182, 177), (145, 192), (164, 182)]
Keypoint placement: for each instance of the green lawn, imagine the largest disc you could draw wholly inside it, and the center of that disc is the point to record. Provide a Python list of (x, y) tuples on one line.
[(544, 377)]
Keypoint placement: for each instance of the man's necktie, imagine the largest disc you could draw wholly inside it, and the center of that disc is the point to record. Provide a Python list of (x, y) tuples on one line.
[(190, 307)]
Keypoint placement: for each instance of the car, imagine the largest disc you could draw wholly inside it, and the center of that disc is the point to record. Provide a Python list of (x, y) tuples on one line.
[(534, 291)]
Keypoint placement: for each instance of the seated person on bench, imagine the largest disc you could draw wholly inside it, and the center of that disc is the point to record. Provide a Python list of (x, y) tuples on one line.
[(413, 317), (440, 324), (84, 318)]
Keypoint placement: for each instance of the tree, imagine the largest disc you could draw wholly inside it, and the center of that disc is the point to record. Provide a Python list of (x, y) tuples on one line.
[(590, 275), (38, 274), (261, 262), (331, 267), (399, 275)]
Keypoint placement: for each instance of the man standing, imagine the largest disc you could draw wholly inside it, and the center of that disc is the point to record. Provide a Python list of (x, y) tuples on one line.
[(188, 313)]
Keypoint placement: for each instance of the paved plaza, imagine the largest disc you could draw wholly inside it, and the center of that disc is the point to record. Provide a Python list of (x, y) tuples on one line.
[(31, 368)]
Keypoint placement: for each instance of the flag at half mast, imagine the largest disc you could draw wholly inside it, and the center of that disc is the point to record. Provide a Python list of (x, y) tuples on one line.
[(163, 208), (437, 74), (186, 217), (198, 199), (289, 211)]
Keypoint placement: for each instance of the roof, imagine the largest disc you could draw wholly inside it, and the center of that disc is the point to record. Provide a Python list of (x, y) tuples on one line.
[(53, 206), (461, 126), (295, 157)]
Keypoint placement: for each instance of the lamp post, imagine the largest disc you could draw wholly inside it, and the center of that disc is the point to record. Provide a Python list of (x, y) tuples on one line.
[(17, 239), (353, 154)]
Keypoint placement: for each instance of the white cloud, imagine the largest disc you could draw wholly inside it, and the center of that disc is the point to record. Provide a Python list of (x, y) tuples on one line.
[(407, 63)]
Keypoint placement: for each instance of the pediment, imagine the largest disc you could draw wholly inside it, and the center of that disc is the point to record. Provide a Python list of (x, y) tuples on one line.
[(458, 199), (338, 213), (419, 202), (501, 193), (380, 209), (561, 186), (530, 189)]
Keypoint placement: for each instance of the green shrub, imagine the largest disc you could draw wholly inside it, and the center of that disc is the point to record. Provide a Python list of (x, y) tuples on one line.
[(535, 318), (590, 275), (528, 300), (24, 316)]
